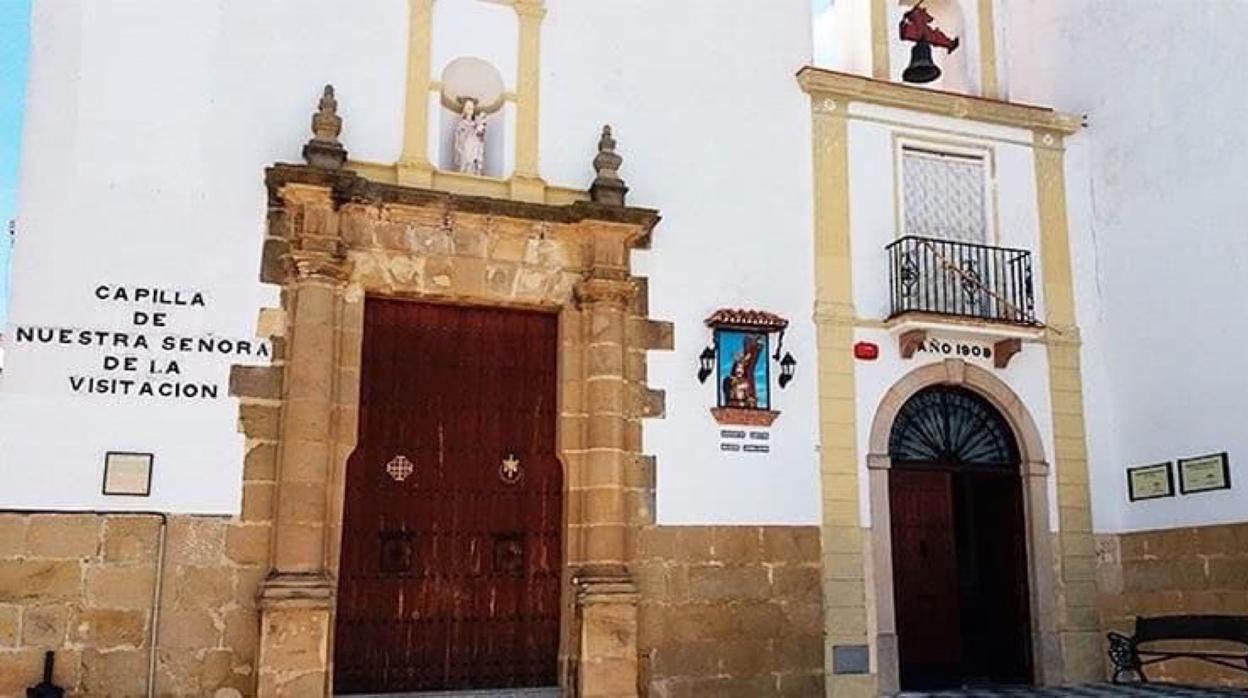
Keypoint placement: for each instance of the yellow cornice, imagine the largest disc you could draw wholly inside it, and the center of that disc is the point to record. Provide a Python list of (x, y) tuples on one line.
[(530, 8), (819, 82)]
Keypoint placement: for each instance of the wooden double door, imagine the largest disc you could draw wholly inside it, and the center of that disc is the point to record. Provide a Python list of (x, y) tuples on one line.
[(452, 528), (959, 577)]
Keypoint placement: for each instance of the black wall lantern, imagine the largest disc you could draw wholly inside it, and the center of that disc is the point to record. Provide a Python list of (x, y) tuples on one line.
[(706, 360), (788, 366)]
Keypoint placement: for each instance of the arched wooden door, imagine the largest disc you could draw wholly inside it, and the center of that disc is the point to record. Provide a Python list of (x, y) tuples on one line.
[(452, 527), (958, 543)]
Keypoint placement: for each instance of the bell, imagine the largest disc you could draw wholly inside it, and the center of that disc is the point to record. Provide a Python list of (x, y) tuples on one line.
[(921, 68)]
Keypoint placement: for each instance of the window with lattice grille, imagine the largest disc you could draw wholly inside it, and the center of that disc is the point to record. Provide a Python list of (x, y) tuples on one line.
[(944, 195)]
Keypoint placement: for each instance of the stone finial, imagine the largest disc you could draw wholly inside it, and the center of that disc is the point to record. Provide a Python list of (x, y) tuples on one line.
[(607, 188), (324, 149), (326, 124)]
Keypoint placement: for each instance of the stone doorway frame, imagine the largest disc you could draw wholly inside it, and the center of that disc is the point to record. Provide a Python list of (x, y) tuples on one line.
[(334, 238), (1034, 472)]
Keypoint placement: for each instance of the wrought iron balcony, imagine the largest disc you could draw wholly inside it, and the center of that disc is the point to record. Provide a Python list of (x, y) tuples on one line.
[(949, 277)]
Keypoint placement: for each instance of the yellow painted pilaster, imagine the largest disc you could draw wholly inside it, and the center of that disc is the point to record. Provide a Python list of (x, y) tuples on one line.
[(526, 183), (413, 167), (990, 85), (1077, 623), (832, 240), (880, 68), (844, 575), (1059, 296)]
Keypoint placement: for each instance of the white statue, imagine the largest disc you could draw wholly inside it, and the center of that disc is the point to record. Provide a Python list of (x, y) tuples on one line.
[(470, 140)]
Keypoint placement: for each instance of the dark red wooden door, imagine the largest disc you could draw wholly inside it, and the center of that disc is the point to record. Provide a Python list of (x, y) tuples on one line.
[(450, 575), (925, 575), (995, 614)]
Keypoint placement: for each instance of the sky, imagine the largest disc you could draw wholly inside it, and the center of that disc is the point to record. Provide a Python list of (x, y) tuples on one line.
[(14, 42)]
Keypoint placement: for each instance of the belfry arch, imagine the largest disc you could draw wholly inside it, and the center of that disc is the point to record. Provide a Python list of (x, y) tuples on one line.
[(1033, 470)]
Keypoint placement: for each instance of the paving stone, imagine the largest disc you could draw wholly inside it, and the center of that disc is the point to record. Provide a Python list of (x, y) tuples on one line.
[(501, 693), (1151, 690), (1154, 690)]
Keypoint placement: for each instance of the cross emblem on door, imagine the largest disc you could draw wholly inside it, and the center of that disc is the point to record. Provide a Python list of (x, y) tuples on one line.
[(510, 472)]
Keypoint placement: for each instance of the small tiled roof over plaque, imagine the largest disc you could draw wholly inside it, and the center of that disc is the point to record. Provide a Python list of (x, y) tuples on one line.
[(757, 319)]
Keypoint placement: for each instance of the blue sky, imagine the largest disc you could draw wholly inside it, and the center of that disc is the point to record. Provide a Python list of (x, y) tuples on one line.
[(14, 42)]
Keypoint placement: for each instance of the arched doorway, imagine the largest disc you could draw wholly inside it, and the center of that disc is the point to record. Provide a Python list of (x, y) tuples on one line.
[(959, 543)]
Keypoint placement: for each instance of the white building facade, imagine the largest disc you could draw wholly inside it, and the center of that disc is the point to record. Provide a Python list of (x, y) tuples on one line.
[(667, 428)]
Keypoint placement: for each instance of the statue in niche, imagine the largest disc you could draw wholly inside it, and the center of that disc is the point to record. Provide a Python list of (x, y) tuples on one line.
[(469, 142)]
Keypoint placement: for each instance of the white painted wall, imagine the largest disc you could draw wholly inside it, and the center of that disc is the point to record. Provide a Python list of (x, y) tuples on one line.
[(842, 33), (150, 126), (1158, 220), (1107, 482), (148, 130), (714, 132)]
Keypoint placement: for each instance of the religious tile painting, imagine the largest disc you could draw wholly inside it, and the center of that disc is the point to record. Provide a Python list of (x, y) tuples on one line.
[(742, 369)]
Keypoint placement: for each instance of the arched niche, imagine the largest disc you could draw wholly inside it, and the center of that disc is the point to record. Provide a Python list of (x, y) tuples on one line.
[(469, 78), (956, 18)]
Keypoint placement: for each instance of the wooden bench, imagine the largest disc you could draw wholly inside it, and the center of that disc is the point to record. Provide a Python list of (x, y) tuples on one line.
[(1128, 657)]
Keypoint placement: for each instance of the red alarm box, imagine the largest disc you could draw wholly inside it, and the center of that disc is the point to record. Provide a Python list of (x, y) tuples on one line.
[(867, 351)]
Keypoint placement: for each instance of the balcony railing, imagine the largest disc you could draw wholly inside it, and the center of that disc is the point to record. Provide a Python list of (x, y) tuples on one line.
[(948, 277)]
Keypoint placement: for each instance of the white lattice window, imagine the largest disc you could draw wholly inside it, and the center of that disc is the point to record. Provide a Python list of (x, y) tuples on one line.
[(944, 195)]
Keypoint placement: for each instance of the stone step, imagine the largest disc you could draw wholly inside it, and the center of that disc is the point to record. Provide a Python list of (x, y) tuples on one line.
[(488, 693)]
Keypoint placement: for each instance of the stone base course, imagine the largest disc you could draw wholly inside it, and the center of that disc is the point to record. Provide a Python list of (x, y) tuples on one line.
[(730, 611), (1175, 571), (82, 585)]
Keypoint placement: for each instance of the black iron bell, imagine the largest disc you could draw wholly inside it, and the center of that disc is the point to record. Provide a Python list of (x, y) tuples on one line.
[(921, 68)]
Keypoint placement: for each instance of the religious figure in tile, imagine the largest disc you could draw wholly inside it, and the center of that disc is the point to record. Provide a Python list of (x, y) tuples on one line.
[(740, 385)]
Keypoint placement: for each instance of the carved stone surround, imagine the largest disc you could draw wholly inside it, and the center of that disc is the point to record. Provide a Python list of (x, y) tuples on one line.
[(334, 238)]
